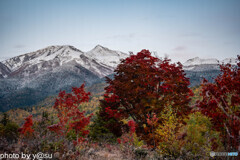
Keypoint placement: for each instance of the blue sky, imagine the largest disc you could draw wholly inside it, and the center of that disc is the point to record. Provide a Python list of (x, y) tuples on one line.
[(181, 29)]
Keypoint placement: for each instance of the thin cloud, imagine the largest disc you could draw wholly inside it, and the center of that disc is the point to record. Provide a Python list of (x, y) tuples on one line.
[(180, 48), (19, 46), (190, 34), (127, 36)]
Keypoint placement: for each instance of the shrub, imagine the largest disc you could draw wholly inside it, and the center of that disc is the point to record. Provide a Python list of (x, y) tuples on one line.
[(200, 138), (9, 131), (100, 133), (167, 134)]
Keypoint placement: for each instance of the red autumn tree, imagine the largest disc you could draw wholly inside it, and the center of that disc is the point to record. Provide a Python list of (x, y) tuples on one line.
[(26, 129), (69, 115), (221, 102), (144, 85)]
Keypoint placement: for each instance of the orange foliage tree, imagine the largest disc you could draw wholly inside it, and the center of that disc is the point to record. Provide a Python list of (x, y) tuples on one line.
[(26, 129)]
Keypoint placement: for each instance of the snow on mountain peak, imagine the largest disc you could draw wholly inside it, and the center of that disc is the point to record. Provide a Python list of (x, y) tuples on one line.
[(100, 47), (199, 61), (65, 53), (101, 51), (99, 60), (106, 56), (198, 64)]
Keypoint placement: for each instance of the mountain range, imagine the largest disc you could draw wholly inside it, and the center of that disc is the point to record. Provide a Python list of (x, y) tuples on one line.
[(198, 64), (100, 61), (29, 78)]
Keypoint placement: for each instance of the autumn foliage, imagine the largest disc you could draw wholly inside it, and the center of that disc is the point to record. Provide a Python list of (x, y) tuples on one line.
[(69, 115), (144, 85), (26, 129), (145, 110), (221, 102)]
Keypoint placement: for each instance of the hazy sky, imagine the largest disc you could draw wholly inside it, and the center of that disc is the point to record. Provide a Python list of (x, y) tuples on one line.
[(182, 29)]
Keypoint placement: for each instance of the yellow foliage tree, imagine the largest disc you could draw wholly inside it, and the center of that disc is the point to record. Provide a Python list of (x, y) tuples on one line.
[(168, 133), (196, 137)]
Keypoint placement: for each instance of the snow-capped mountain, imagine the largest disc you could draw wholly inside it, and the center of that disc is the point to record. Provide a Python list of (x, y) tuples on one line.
[(29, 78), (100, 60), (4, 70), (198, 61), (106, 56), (198, 64)]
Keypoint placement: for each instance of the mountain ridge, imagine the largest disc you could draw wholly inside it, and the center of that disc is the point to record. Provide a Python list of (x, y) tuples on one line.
[(199, 64), (56, 56), (200, 61), (29, 78)]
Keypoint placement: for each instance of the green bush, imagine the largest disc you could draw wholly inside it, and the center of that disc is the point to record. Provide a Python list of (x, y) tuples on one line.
[(8, 129), (194, 139), (98, 131), (201, 137)]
